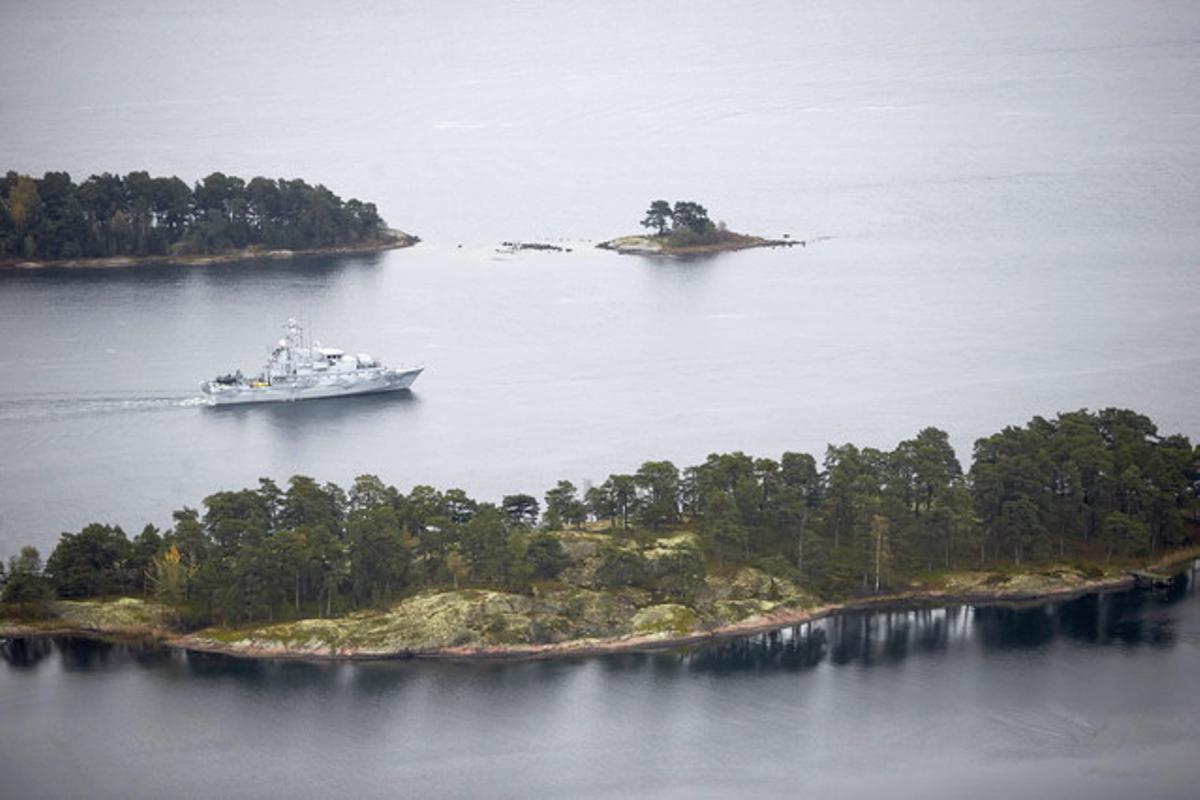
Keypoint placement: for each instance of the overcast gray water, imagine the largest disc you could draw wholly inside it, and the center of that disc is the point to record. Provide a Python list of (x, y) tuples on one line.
[(1010, 188), (1010, 195)]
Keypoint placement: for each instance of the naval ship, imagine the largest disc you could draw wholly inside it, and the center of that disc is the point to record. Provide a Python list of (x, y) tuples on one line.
[(296, 371)]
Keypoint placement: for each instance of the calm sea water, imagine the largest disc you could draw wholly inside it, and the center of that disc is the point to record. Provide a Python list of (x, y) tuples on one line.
[(1010, 188), (1010, 192), (1092, 698)]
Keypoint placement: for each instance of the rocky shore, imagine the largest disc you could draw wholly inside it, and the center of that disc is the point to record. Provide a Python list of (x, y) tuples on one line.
[(567, 620), (392, 240), (661, 246), (306, 641)]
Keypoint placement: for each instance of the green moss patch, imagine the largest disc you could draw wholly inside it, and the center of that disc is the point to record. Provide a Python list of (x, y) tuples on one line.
[(668, 619)]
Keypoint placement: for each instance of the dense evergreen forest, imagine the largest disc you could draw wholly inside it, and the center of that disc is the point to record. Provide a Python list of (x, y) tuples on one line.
[(1084, 488), (137, 215), (685, 224)]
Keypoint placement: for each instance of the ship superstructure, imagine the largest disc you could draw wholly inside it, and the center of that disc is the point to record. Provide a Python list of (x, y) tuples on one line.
[(299, 371)]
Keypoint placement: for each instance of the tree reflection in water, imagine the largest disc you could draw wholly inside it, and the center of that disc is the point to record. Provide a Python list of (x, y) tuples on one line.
[(25, 652), (1128, 619)]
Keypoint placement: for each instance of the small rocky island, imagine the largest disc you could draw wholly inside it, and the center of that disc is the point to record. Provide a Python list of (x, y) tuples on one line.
[(118, 221), (686, 230)]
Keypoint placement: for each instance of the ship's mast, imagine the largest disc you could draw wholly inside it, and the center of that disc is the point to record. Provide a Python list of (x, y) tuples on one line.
[(295, 341)]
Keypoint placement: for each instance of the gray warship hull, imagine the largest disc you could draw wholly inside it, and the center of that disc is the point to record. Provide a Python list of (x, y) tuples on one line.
[(301, 389)]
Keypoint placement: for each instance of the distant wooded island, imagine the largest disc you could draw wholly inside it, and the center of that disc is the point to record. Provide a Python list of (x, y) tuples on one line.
[(685, 229), (139, 217), (111, 220), (653, 557)]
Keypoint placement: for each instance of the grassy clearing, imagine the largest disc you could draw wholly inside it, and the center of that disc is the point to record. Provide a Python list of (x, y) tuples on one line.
[(667, 619)]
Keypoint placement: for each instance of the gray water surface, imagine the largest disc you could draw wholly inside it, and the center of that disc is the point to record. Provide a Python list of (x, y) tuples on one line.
[(561, 366), (1010, 192), (1010, 189), (1091, 698)]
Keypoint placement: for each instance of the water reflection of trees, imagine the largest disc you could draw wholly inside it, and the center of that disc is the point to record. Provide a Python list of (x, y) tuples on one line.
[(865, 638), (792, 648), (81, 654), (25, 653), (1128, 619)]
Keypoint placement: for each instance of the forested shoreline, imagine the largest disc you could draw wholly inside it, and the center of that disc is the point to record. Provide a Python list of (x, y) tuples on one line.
[(1084, 489), (138, 216)]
